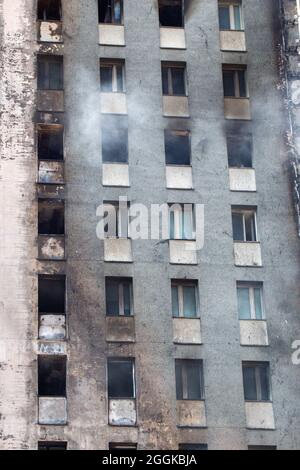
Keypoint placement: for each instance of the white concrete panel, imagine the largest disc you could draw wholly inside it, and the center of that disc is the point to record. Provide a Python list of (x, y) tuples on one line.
[(253, 333), (233, 41), (172, 38), (237, 108), (113, 103), (187, 330), (52, 410), (52, 327), (115, 174), (247, 254), (260, 415), (111, 35), (122, 412), (183, 252), (179, 177), (117, 250), (176, 106), (191, 413), (50, 31), (242, 179)]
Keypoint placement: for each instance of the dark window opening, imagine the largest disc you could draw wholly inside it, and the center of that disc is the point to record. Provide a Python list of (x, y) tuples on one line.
[(244, 225), (193, 447), (177, 147), (122, 446), (51, 218), (171, 13), (173, 80), (239, 149), (114, 145), (234, 82), (189, 379), (121, 382), (118, 297), (110, 11), (49, 10), (50, 143), (50, 72), (52, 376), (51, 295), (256, 378), (52, 445)]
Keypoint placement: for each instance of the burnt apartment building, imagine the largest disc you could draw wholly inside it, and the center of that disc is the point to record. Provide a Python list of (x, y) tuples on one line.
[(149, 344)]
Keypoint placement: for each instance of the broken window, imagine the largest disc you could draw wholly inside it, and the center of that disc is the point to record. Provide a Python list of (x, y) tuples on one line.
[(239, 149), (112, 76), (51, 295), (110, 11), (121, 381), (173, 79), (231, 16), (50, 142), (50, 72), (250, 301), (244, 225), (117, 220), (51, 218), (171, 13), (234, 81), (184, 299), (193, 447), (256, 378), (177, 147), (114, 145), (189, 379), (52, 445), (52, 376), (118, 296), (49, 10), (122, 446), (182, 222)]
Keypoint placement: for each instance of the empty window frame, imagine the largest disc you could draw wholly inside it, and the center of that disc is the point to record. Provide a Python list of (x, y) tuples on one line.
[(235, 81), (110, 11), (189, 379), (118, 297), (49, 10), (112, 76), (174, 79), (231, 16), (51, 217), (50, 72), (117, 222), (52, 445), (171, 13), (177, 147), (182, 222), (50, 142), (239, 150), (244, 225), (114, 145), (193, 447), (250, 305), (122, 446), (51, 295), (52, 376), (256, 378), (121, 378), (184, 299)]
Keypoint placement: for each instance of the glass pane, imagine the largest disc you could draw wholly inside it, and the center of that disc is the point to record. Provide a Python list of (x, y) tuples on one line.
[(238, 227), (106, 78), (175, 303), (178, 81), (193, 371), (127, 299), (239, 150), (249, 383), (55, 76), (117, 11), (264, 382), (258, 303), (165, 85), (120, 379), (178, 374), (228, 83), (42, 75), (177, 148), (172, 225), (224, 17), (112, 299), (242, 83), (189, 302), (244, 303), (120, 87), (237, 17), (187, 217), (250, 227)]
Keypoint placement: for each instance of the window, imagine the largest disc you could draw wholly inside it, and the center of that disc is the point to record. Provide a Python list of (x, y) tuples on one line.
[(231, 16), (117, 220), (121, 381), (114, 145), (52, 445), (173, 79), (262, 448), (112, 76), (49, 10), (51, 217), (239, 149), (50, 72), (171, 13), (182, 223), (184, 299), (52, 376), (256, 377), (50, 142), (189, 379), (177, 147), (250, 301), (118, 297), (193, 447), (122, 446), (234, 81), (110, 11), (51, 295), (244, 225)]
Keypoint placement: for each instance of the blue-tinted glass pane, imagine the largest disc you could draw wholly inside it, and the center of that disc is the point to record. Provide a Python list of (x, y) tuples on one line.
[(237, 17), (238, 227), (224, 17), (249, 383), (189, 302), (127, 299), (178, 81), (244, 303), (175, 303), (257, 303), (242, 83), (264, 382), (228, 83), (112, 299), (193, 372)]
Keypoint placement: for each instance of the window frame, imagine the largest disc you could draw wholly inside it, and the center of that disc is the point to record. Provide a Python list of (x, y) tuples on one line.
[(178, 133), (244, 212), (120, 282), (179, 222), (238, 139), (251, 286), (184, 379), (118, 134), (46, 59), (114, 64), (173, 65), (112, 14), (231, 6), (119, 220), (60, 9), (180, 284), (59, 358), (53, 277), (160, 5), (133, 370), (49, 129), (257, 366), (236, 80)]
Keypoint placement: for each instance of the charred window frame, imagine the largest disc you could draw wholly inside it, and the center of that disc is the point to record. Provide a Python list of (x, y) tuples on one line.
[(182, 221), (117, 215), (51, 217), (51, 294), (235, 81), (174, 80), (178, 147), (250, 301), (193, 447), (119, 297), (122, 446), (110, 11), (171, 13), (52, 445), (112, 76), (189, 379), (50, 142), (49, 10), (50, 72), (185, 299), (256, 379), (231, 16), (121, 378), (240, 150), (244, 224), (52, 375), (114, 145)]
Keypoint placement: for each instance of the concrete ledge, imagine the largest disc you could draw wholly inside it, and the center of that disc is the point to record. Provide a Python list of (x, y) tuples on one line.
[(176, 106), (253, 333), (52, 410), (183, 252), (117, 250), (191, 413), (233, 41), (120, 329), (237, 108), (115, 174), (242, 179), (52, 327), (111, 35), (113, 103), (179, 177), (187, 330), (247, 254), (122, 412), (172, 38), (259, 415)]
